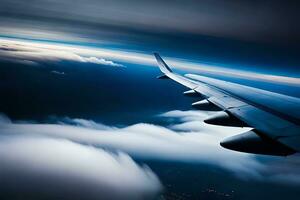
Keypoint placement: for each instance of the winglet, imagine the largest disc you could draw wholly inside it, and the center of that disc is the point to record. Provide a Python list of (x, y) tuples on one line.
[(162, 65)]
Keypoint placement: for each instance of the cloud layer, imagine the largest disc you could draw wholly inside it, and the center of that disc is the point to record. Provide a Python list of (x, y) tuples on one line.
[(75, 171), (33, 53), (190, 140), (37, 54), (43, 167), (70, 153)]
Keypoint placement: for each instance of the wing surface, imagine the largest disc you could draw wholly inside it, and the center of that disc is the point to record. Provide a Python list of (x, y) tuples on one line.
[(275, 118)]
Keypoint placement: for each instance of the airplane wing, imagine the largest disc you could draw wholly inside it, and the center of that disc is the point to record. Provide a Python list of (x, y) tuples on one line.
[(274, 118)]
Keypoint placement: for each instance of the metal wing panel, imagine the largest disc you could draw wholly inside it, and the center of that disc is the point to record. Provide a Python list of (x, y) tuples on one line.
[(183, 81), (265, 122), (226, 102), (269, 101)]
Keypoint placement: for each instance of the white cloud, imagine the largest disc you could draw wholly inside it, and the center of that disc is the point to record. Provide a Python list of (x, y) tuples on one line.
[(34, 54), (39, 166), (101, 61), (57, 72), (82, 123), (148, 141), (187, 139), (190, 115)]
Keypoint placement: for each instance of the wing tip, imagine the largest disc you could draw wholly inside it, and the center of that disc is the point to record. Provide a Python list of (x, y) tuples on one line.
[(161, 63)]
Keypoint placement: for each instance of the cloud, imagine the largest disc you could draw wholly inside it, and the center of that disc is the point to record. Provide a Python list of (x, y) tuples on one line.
[(185, 116), (81, 123), (101, 61), (48, 168), (186, 139), (57, 72), (147, 141), (36, 54)]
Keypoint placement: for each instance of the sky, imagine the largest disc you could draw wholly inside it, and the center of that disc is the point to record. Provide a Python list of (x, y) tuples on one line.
[(271, 21), (246, 33), (83, 115)]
